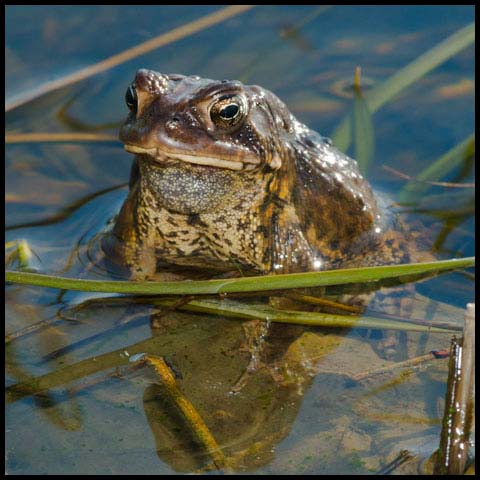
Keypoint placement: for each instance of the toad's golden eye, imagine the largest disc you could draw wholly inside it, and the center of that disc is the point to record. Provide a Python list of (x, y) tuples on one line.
[(131, 98), (228, 111)]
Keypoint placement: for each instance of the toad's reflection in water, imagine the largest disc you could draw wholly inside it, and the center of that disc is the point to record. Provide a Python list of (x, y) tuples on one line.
[(251, 424), (247, 424)]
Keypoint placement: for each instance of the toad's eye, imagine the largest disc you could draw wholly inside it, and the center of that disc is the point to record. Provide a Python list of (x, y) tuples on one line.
[(228, 111), (131, 98)]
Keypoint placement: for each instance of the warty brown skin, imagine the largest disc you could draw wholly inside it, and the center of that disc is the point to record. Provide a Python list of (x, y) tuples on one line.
[(226, 179)]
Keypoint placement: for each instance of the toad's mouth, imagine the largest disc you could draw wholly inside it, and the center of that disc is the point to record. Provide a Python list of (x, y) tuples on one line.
[(162, 156)]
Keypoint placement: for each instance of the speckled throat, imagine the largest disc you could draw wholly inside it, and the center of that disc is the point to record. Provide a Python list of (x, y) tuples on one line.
[(188, 189), (193, 216)]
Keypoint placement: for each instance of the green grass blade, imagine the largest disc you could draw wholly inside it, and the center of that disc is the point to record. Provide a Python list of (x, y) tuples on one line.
[(436, 170), (229, 308), (245, 284), (406, 76), (363, 133)]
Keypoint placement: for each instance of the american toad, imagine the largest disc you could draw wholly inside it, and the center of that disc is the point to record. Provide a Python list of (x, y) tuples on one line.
[(225, 178)]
